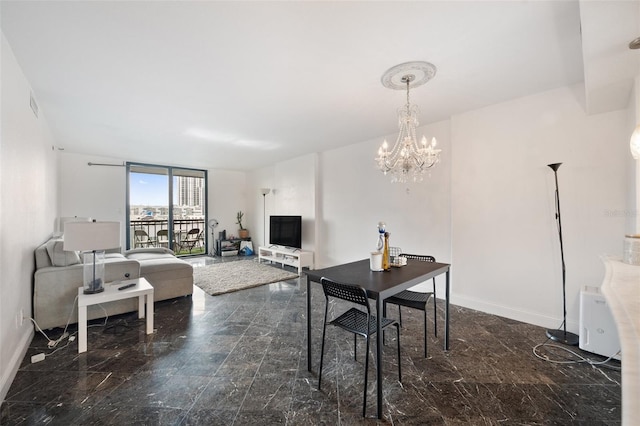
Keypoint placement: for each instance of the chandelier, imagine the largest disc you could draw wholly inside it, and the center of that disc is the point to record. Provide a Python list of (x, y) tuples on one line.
[(408, 159)]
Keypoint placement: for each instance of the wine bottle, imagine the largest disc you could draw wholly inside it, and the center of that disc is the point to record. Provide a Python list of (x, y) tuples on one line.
[(386, 264)]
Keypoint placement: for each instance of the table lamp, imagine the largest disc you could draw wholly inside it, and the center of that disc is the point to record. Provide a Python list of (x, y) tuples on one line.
[(92, 238), (63, 220)]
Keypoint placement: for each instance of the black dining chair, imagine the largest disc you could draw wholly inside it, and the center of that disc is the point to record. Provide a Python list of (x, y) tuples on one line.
[(416, 300), (355, 321)]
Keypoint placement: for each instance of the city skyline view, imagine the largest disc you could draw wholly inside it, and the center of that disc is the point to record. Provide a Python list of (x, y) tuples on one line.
[(152, 190)]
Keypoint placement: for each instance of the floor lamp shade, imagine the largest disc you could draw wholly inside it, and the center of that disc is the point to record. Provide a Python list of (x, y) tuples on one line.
[(92, 238)]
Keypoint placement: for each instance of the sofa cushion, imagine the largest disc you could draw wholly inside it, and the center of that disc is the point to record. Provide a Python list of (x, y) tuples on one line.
[(167, 267), (59, 256), (42, 257), (148, 253), (170, 277)]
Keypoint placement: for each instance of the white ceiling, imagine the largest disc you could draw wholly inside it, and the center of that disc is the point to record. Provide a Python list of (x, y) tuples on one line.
[(240, 85)]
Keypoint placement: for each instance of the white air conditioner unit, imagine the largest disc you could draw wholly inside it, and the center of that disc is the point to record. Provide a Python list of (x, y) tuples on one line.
[(598, 332)]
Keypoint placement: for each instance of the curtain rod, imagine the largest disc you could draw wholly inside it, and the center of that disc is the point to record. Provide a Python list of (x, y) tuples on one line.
[(104, 164)]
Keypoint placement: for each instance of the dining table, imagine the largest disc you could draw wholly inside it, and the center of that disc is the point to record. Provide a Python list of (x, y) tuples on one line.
[(379, 285)]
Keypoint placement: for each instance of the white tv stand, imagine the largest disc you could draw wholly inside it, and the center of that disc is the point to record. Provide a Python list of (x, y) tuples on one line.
[(297, 258)]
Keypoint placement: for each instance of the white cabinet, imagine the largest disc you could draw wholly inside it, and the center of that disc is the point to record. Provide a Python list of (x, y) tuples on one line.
[(286, 256)]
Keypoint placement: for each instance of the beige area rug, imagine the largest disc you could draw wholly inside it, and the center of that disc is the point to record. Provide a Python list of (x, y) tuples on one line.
[(237, 275)]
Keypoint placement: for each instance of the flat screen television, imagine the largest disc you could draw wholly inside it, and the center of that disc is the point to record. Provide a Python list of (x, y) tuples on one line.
[(285, 231)]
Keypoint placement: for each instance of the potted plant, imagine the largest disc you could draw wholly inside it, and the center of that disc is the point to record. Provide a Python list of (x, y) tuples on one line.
[(242, 232)]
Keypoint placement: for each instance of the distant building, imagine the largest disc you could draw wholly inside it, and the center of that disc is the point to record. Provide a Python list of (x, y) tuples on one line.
[(190, 191)]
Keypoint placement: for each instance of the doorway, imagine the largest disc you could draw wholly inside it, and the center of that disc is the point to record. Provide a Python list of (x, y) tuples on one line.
[(167, 207)]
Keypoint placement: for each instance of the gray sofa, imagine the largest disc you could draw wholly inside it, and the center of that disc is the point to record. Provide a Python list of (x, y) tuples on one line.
[(59, 274)]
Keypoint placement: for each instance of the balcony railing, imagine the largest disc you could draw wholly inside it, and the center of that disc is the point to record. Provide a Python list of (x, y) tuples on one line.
[(188, 235)]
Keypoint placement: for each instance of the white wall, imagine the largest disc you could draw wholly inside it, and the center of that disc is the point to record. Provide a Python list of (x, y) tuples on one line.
[(227, 195), (506, 253), (100, 192), (261, 207), (28, 205), (356, 196), (102, 187), (293, 192)]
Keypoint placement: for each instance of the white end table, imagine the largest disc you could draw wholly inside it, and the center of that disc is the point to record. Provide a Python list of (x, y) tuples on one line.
[(142, 290)]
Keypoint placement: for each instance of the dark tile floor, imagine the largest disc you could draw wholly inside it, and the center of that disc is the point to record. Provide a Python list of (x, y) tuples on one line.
[(240, 359)]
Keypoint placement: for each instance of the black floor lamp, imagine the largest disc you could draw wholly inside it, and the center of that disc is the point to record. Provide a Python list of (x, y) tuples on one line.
[(563, 335), (264, 192)]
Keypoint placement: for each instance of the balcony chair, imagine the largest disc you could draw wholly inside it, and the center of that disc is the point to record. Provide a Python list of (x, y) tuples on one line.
[(162, 238), (416, 300), (355, 321), (191, 239), (141, 238), (188, 240)]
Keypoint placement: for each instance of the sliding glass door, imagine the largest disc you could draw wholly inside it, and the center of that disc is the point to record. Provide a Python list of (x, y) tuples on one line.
[(167, 207)]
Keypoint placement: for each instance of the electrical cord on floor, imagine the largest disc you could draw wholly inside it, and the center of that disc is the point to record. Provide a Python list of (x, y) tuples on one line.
[(580, 358), (53, 344)]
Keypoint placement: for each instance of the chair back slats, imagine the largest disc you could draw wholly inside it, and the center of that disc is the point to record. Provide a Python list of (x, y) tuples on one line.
[(355, 321), (348, 292), (421, 257), (417, 300)]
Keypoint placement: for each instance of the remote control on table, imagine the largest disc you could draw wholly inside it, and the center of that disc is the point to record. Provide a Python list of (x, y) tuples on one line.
[(127, 286)]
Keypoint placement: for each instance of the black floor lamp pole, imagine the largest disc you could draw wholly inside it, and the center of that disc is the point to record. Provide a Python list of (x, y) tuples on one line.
[(264, 192), (264, 219), (563, 335)]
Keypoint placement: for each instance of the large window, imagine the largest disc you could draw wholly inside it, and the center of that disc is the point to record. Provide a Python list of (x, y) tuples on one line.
[(153, 221)]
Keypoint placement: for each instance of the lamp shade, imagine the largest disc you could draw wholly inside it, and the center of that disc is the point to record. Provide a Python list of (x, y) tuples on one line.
[(265, 191), (63, 220), (91, 235)]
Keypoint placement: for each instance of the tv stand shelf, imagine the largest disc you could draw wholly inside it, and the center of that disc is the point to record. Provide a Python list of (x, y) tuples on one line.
[(297, 258)]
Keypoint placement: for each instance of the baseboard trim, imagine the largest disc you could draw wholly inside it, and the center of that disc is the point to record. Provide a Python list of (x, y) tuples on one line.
[(529, 317), (14, 364)]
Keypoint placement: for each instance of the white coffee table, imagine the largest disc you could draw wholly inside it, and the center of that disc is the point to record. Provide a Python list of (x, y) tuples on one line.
[(142, 290)]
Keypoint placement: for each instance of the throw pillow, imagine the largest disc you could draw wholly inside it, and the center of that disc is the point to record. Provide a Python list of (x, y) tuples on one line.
[(60, 257)]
